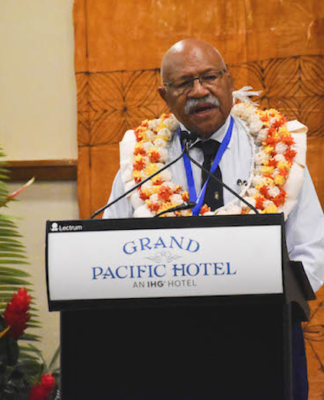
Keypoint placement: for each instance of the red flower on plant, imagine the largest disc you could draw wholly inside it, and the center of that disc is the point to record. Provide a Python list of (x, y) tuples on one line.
[(16, 314), (42, 390)]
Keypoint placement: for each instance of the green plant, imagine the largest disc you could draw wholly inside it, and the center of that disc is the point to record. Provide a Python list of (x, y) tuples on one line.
[(21, 363)]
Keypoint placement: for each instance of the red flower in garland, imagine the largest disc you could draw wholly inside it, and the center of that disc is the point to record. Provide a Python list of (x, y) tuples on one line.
[(259, 203), (154, 156), (165, 192), (265, 192), (16, 314), (204, 209), (42, 390), (279, 122)]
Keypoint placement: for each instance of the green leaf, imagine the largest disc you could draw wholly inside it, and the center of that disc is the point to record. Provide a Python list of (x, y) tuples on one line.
[(10, 255), (54, 359), (31, 368), (9, 232), (13, 281), (13, 272), (30, 337), (14, 262)]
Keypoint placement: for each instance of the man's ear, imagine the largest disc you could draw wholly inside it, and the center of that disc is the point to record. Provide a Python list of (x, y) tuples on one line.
[(163, 93)]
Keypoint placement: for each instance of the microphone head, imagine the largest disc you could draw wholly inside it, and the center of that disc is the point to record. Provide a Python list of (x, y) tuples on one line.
[(190, 204), (188, 137)]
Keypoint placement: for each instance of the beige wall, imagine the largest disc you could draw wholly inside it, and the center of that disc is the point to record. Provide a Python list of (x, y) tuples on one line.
[(38, 91), (38, 121)]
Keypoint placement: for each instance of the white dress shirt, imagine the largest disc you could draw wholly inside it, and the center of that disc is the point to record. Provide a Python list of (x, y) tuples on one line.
[(304, 226)]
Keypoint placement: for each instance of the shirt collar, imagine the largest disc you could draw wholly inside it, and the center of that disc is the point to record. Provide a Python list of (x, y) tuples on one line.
[(219, 134)]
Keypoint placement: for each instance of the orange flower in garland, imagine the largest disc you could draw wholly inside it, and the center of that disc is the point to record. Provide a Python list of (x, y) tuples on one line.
[(279, 122), (158, 181), (41, 391), (204, 209), (165, 192), (16, 314), (154, 155), (144, 196), (139, 163), (290, 155), (265, 192), (139, 150), (259, 203), (288, 140), (185, 196), (281, 198), (153, 206), (272, 163)]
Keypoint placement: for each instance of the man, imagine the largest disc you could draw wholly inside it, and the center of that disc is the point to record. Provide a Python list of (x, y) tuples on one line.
[(197, 87)]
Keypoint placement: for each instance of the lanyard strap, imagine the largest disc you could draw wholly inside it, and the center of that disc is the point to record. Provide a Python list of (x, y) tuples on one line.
[(191, 183)]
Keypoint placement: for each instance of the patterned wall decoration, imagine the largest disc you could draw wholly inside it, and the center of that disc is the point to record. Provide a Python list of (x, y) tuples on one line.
[(109, 103)]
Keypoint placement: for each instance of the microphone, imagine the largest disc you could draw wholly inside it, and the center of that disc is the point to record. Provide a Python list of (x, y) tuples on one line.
[(187, 205), (188, 146), (188, 138), (138, 185)]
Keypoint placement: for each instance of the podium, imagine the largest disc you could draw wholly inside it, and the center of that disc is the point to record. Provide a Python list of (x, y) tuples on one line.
[(175, 308)]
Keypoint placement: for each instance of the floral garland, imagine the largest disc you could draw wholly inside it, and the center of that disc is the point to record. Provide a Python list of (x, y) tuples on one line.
[(151, 154), (274, 151)]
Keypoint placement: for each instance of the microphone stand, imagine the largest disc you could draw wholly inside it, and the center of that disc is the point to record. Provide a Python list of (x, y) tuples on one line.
[(187, 147), (138, 185), (187, 205), (187, 140)]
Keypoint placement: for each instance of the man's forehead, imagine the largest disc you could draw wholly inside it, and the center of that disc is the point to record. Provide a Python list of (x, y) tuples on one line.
[(191, 56)]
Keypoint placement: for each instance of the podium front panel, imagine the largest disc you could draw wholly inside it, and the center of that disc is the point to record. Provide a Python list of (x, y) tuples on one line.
[(112, 260)]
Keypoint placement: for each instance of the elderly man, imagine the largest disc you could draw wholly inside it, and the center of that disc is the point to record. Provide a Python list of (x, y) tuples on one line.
[(197, 87)]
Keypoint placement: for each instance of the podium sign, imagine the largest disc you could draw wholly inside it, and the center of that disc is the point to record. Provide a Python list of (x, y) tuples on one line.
[(109, 259)]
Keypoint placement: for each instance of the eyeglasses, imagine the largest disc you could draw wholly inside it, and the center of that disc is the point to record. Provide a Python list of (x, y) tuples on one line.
[(181, 86)]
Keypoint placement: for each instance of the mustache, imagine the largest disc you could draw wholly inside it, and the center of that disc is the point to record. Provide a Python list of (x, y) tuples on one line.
[(210, 98)]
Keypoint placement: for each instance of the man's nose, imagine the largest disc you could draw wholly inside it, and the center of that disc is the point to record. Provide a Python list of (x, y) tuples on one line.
[(198, 90)]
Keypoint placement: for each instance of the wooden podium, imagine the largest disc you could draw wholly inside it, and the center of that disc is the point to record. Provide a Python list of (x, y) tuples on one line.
[(224, 333)]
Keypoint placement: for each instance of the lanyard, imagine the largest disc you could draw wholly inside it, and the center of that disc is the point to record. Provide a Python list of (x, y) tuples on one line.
[(191, 183)]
